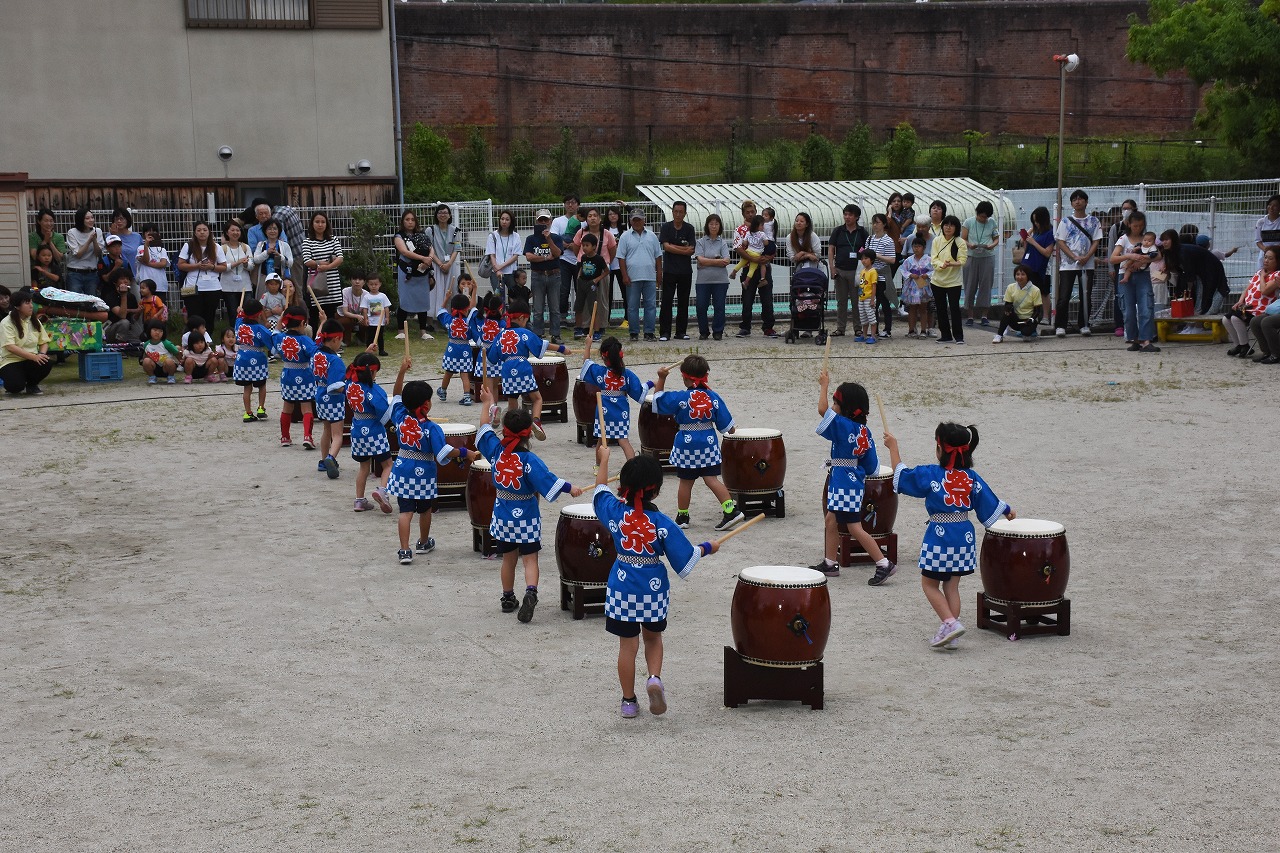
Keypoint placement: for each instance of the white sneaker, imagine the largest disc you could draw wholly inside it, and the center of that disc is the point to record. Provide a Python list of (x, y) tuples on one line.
[(1086, 331), (1060, 332), (939, 639), (400, 336), (425, 337), (997, 339), (952, 644)]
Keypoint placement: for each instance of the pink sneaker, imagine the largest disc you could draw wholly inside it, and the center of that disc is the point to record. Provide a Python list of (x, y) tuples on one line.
[(362, 505), (186, 380), (381, 497)]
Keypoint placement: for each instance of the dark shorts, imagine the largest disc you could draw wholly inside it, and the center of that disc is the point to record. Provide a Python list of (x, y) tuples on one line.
[(260, 383), (846, 518), (632, 629), (943, 576), (412, 505), (522, 547), (380, 457), (698, 473), (199, 371)]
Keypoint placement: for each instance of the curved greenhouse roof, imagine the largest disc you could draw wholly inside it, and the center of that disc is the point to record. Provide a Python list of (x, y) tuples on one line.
[(825, 200)]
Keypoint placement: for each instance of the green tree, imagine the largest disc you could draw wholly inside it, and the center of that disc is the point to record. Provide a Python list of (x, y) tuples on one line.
[(473, 161), (779, 160), (566, 165), (362, 257), (818, 158), (901, 151), (734, 169), (1230, 44), (857, 155), (427, 165), (520, 162)]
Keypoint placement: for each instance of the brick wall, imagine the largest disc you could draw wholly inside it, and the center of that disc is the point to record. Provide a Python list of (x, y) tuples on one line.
[(691, 71)]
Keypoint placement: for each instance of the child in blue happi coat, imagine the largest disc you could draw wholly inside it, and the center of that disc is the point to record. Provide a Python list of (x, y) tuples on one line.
[(297, 381), (638, 592), (699, 412), (330, 393), (370, 412), (853, 459), (457, 322), (512, 350), (950, 491), (253, 343), (413, 475), (616, 384), (487, 323), (519, 477)]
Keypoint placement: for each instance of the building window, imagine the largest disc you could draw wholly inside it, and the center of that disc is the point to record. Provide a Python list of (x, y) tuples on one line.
[(286, 14)]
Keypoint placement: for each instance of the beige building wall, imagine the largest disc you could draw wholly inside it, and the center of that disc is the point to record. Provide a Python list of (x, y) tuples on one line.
[(122, 90)]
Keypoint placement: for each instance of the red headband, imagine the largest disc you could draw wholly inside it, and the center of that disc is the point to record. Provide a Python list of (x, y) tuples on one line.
[(516, 315), (353, 372), (953, 452), (513, 438), (328, 336), (698, 381), (460, 312)]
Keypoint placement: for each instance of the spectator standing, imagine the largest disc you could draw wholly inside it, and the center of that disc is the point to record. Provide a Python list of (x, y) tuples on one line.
[(44, 235), (711, 253), (542, 249), (846, 242), (111, 267), (948, 259), (446, 252), (802, 244), (122, 227), (886, 252), (614, 225), (503, 249), (566, 228), (1037, 250), (24, 347), (1078, 236), (322, 255), (237, 277), (414, 263), (202, 263), (608, 244), (677, 238), (640, 259), (273, 254), (1204, 276), (1111, 292), (85, 245), (759, 285), (1136, 294), (1266, 231), (981, 237)]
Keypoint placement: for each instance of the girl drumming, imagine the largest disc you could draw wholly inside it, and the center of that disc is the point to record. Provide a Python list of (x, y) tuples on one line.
[(330, 393), (486, 325), (616, 384), (950, 490), (370, 412), (297, 381)]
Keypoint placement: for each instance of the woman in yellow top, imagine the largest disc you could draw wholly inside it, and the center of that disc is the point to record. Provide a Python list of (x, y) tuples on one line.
[(24, 345), (949, 255)]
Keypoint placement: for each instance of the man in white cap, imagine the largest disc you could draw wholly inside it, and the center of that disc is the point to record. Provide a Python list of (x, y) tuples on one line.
[(640, 262), (542, 249)]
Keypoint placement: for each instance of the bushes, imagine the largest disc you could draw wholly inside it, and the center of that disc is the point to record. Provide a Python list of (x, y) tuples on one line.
[(818, 158), (566, 165), (901, 151), (857, 155), (362, 258), (778, 161), (520, 165)]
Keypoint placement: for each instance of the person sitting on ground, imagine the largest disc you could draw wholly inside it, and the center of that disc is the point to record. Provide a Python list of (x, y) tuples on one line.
[(24, 347), (1023, 306), (124, 323)]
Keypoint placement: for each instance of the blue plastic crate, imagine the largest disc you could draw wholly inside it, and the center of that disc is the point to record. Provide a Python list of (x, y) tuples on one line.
[(101, 367)]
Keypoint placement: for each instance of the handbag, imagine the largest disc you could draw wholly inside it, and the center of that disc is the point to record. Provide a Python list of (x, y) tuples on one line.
[(1181, 306), (486, 266), (188, 286)]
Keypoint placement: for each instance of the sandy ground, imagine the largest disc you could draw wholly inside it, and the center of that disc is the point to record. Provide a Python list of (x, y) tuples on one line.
[(203, 648)]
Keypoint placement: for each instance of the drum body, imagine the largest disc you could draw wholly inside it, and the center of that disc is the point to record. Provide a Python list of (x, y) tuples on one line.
[(584, 547), (584, 402), (657, 432), (552, 377), (781, 616), (1025, 561), (879, 503), (755, 461), (451, 476), (480, 494)]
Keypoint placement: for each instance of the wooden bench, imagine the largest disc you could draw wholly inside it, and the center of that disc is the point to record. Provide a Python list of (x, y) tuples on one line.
[(1214, 332)]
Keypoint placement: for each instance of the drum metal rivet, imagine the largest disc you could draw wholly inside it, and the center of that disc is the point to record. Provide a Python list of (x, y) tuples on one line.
[(1047, 571), (800, 627), (762, 466)]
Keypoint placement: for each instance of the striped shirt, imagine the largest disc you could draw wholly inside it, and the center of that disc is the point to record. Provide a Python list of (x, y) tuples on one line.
[(328, 285), (882, 246)]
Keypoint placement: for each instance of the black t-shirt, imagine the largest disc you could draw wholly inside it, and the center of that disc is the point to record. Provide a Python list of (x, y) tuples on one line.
[(518, 292), (682, 236), (540, 245), (590, 268), (112, 298), (846, 246)]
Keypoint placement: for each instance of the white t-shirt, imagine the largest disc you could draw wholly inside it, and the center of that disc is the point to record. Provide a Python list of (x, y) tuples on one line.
[(236, 279), (559, 225), (503, 247), (204, 280), (378, 306), (1078, 238), (208, 340), (158, 277)]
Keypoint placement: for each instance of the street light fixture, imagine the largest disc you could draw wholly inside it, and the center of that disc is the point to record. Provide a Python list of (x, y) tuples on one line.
[(1067, 63)]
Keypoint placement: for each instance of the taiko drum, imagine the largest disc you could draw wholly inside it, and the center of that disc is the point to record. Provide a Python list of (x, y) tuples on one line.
[(879, 501), (1025, 561), (584, 402), (552, 377), (451, 476), (781, 615), (657, 432), (584, 547), (480, 494), (755, 461)]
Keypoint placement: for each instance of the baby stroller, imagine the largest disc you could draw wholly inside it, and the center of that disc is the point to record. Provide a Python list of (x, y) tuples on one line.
[(808, 305)]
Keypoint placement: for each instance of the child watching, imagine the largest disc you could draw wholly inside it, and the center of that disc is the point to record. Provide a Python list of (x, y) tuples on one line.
[(226, 352), (199, 362), (159, 356), (518, 290), (916, 270), (592, 271), (376, 306), (1023, 306), (153, 307), (750, 248), (152, 260), (273, 302), (867, 280), (45, 272), (351, 313)]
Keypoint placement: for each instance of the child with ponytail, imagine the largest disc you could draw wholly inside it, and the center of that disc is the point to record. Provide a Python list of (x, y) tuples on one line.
[(486, 325), (639, 591), (297, 381), (330, 392), (456, 322), (253, 343), (616, 384), (370, 412), (853, 459), (950, 490)]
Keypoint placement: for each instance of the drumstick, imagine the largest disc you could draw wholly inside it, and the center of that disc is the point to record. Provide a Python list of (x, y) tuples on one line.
[(241, 308), (732, 533), (613, 479), (674, 366), (587, 354), (406, 338), (314, 300), (600, 414), (377, 330), (883, 421)]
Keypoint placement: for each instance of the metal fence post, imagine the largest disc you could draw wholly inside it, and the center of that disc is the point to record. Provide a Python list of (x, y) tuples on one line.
[(1213, 218)]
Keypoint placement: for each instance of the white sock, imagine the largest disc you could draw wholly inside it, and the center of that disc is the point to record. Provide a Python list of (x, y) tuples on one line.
[(882, 563)]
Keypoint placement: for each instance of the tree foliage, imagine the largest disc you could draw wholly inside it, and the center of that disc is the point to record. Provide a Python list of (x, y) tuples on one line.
[(857, 155), (473, 161), (1231, 44), (566, 165), (779, 158), (818, 158), (521, 165), (901, 151), (361, 256), (428, 172), (734, 168)]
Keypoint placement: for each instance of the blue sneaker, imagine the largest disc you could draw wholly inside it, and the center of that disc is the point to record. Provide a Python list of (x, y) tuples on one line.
[(860, 339), (442, 394), (320, 466), (870, 340), (597, 336), (330, 467), (427, 547)]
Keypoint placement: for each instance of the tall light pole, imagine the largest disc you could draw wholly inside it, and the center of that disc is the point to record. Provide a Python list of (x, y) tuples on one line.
[(1066, 63), (395, 85)]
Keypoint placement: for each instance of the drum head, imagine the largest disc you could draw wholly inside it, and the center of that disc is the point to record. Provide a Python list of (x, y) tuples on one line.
[(884, 471), (1027, 527), (550, 359), (784, 576), (481, 465), (458, 429), (749, 433), (579, 511)]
